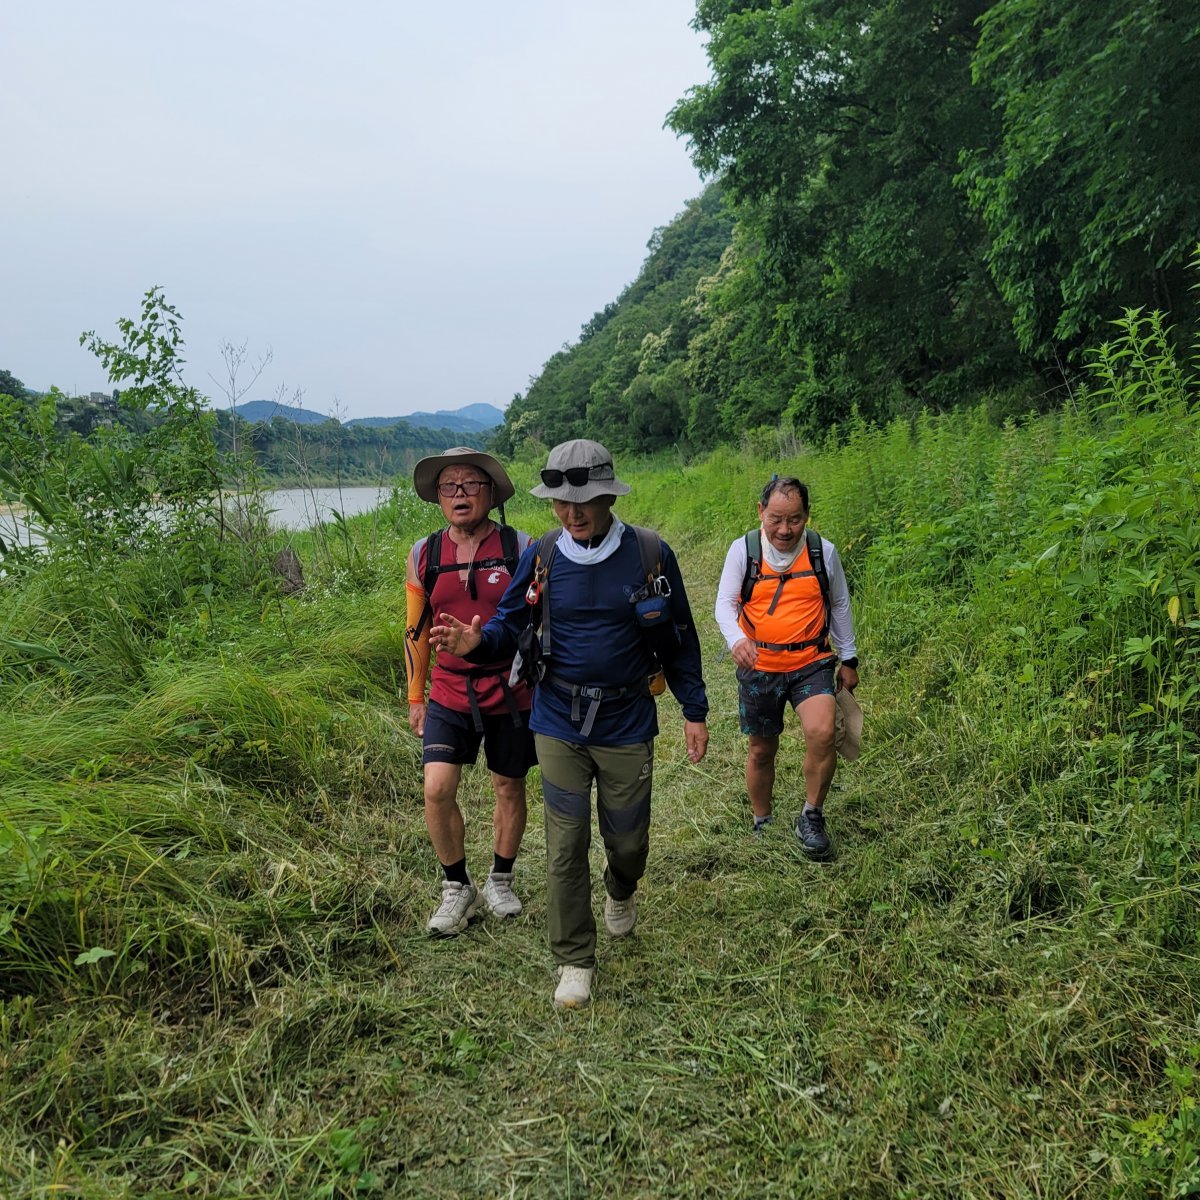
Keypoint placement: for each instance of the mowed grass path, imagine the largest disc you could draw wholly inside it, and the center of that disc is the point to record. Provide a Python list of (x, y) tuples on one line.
[(934, 1014), (774, 1027)]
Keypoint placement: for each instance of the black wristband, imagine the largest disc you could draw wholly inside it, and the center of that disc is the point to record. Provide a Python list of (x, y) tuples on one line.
[(852, 663)]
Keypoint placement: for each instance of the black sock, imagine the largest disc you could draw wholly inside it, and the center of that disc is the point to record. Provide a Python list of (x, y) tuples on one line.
[(456, 872), (502, 865)]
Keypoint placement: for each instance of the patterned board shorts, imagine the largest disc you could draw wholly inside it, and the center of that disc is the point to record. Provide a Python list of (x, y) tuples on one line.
[(763, 696)]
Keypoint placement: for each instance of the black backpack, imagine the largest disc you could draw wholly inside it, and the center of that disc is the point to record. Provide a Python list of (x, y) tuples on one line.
[(753, 575), (509, 554), (653, 615)]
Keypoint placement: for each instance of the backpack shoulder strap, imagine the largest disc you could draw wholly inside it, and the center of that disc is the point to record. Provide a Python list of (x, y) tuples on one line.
[(433, 557), (816, 560), (650, 548), (753, 564), (433, 562), (509, 550), (546, 546)]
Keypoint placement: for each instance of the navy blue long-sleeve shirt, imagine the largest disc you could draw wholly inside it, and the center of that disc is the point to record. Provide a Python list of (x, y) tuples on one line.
[(596, 641)]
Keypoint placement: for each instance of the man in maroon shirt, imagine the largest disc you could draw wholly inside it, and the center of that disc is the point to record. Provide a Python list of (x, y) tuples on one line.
[(464, 569)]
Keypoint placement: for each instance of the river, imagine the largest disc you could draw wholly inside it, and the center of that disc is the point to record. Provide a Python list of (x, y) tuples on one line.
[(289, 508)]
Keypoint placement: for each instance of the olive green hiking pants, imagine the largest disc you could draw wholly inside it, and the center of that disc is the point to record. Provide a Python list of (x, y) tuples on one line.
[(623, 777)]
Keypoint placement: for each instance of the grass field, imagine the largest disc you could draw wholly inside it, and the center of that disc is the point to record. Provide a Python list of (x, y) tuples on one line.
[(214, 883)]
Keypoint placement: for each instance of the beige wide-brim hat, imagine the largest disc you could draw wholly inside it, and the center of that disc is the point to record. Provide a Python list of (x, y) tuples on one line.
[(848, 725), (602, 479), (426, 472)]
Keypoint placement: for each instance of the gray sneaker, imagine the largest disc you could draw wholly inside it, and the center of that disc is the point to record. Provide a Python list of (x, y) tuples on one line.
[(620, 916), (814, 841), (574, 987), (459, 902), (498, 896)]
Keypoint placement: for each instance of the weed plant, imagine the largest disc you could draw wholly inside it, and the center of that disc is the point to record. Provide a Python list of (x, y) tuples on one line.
[(214, 875)]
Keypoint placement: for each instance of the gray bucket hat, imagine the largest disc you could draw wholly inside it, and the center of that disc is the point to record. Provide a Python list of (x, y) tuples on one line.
[(589, 463), (426, 472)]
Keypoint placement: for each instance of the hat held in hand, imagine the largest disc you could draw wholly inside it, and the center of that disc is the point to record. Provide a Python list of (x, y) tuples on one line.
[(848, 725)]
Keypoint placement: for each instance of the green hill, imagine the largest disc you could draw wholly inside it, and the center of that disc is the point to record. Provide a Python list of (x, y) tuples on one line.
[(925, 210), (621, 382)]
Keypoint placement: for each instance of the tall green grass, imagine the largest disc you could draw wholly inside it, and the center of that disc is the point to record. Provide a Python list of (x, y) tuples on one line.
[(214, 876)]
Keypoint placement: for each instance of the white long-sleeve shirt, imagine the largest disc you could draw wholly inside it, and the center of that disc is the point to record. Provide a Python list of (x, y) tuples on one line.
[(729, 592)]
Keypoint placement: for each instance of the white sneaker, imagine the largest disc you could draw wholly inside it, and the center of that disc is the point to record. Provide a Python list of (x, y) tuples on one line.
[(459, 902), (499, 897), (620, 916), (574, 987)]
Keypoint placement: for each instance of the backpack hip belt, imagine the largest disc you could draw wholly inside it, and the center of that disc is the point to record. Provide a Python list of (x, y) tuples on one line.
[(500, 672), (820, 643), (583, 691)]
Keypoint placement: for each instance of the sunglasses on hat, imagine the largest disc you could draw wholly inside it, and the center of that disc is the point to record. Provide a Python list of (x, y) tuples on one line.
[(576, 476)]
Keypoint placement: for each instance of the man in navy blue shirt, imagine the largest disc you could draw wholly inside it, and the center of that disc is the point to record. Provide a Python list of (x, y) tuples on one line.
[(594, 717)]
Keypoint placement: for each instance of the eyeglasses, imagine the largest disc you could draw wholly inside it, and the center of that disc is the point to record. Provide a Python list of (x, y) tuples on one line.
[(576, 476), (471, 487)]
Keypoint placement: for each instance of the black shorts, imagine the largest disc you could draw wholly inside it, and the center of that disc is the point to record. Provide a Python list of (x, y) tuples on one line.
[(451, 737), (763, 696)]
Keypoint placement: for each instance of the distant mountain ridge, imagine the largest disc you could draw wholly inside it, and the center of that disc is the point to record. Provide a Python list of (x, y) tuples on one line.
[(268, 410), (471, 418)]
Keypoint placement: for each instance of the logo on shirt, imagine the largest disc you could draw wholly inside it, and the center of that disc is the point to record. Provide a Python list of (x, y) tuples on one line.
[(494, 577)]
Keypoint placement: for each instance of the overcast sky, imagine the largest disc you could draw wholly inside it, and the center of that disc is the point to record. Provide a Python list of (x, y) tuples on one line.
[(412, 205)]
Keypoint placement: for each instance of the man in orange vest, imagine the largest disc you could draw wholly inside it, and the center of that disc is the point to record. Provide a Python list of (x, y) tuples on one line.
[(784, 608)]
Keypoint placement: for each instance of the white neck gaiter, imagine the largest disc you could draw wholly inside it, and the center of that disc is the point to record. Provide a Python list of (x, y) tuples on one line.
[(779, 560), (584, 555)]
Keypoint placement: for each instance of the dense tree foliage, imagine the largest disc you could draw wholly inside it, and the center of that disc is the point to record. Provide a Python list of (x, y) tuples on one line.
[(934, 199), (839, 128), (1091, 194), (10, 385)]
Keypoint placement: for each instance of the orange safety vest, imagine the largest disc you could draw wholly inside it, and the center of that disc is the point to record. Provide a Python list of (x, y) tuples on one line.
[(784, 613)]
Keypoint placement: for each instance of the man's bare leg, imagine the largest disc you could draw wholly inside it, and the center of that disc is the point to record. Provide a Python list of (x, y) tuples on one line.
[(444, 820), (817, 715), (443, 817), (510, 815), (760, 773), (509, 824)]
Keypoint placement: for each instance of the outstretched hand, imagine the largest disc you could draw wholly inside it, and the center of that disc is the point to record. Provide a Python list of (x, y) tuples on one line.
[(454, 637)]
